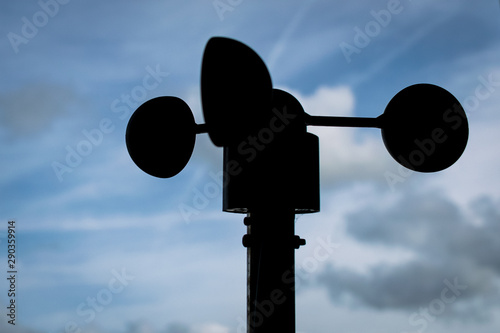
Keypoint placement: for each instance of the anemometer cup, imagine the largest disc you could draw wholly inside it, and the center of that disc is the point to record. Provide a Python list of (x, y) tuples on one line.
[(160, 136), (424, 128)]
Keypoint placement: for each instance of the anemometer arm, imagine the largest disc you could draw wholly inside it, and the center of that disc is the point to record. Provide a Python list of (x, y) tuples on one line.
[(201, 128), (343, 121)]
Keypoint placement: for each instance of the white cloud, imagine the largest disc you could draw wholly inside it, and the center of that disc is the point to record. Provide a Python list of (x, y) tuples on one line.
[(346, 154), (211, 328)]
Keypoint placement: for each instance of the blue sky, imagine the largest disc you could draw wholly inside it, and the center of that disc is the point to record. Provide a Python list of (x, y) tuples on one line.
[(105, 248)]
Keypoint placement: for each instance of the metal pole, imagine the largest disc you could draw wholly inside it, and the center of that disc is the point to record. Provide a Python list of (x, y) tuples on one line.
[(344, 121), (271, 244)]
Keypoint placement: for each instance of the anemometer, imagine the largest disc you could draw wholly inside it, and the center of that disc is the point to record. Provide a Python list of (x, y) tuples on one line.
[(271, 162)]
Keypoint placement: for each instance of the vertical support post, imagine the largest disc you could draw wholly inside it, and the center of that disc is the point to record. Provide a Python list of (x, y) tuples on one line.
[(270, 177), (271, 244)]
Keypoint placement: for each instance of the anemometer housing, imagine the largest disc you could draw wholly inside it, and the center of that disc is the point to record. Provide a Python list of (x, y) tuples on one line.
[(279, 161), (271, 162)]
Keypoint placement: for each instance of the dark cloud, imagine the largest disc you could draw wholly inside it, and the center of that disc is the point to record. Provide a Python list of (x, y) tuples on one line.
[(450, 246), (419, 222)]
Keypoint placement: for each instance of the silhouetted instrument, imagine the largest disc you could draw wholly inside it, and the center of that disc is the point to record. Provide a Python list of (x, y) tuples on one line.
[(271, 162), (424, 127)]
